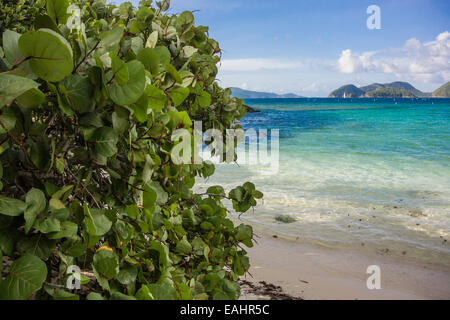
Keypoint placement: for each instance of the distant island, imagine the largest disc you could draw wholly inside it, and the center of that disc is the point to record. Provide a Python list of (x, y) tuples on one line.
[(246, 94), (442, 92), (375, 90), (387, 90)]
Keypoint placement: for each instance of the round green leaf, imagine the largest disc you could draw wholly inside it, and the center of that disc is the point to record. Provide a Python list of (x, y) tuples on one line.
[(106, 263), (110, 39), (174, 73), (102, 223), (12, 86), (36, 245), (120, 70), (157, 98), (11, 206), (78, 91), (50, 54), (105, 139), (36, 203), (26, 275), (204, 99), (10, 46), (178, 95), (8, 119), (164, 55), (131, 91), (150, 60), (31, 99), (57, 10)]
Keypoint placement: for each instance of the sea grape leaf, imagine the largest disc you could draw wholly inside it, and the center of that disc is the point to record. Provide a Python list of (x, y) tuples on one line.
[(12, 86), (144, 294), (102, 223), (45, 21), (150, 60), (79, 92), (184, 246), (11, 47), (161, 195), (140, 108), (8, 121), (157, 98), (130, 92), (89, 220), (50, 54), (106, 263), (178, 95), (163, 5), (36, 203), (11, 207), (127, 275), (59, 294), (26, 275), (132, 211), (164, 55), (68, 230), (204, 99), (6, 243), (189, 51), (40, 155), (164, 291), (120, 70), (185, 18), (152, 40), (144, 13), (111, 39), (48, 225), (105, 139), (174, 73), (36, 245), (95, 296), (32, 99), (179, 117), (57, 10)]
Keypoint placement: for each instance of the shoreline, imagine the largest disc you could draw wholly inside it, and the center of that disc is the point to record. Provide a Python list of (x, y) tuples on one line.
[(283, 268)]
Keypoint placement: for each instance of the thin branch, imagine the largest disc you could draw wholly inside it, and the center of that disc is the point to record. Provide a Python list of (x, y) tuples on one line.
[(16, 140), (84, 58), (84, 188)]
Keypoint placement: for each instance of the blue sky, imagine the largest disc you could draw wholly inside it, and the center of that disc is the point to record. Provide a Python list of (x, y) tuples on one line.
[(311, 47)]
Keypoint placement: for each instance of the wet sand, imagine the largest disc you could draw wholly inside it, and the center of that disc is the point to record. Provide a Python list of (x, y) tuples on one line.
[(284, 269)]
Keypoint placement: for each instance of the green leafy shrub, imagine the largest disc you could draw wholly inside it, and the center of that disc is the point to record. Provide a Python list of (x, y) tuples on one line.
[(86, 177)]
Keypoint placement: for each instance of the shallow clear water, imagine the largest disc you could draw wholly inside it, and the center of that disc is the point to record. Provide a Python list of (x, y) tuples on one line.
[(367, 173)]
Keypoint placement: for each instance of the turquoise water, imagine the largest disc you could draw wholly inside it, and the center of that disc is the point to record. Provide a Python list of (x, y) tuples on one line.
[(372, 174)]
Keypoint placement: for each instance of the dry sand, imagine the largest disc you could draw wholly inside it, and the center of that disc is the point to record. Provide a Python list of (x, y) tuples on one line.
[(316, 272)]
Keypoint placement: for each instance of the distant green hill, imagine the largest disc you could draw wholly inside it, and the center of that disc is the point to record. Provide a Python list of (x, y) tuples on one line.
[(372, 87), (443, 92), (347, 91), (386, 92), (408, 87), (352, 91), (246, 94)]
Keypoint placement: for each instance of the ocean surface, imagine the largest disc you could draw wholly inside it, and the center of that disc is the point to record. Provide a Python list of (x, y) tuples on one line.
[(364, 173)]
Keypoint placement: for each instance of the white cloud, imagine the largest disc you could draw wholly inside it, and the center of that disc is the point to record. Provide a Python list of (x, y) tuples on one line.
[(258, 64), (348, 63), (425, 62), (312, 87)]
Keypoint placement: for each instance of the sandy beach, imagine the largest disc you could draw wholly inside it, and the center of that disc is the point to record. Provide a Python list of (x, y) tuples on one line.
[(295, 269)]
